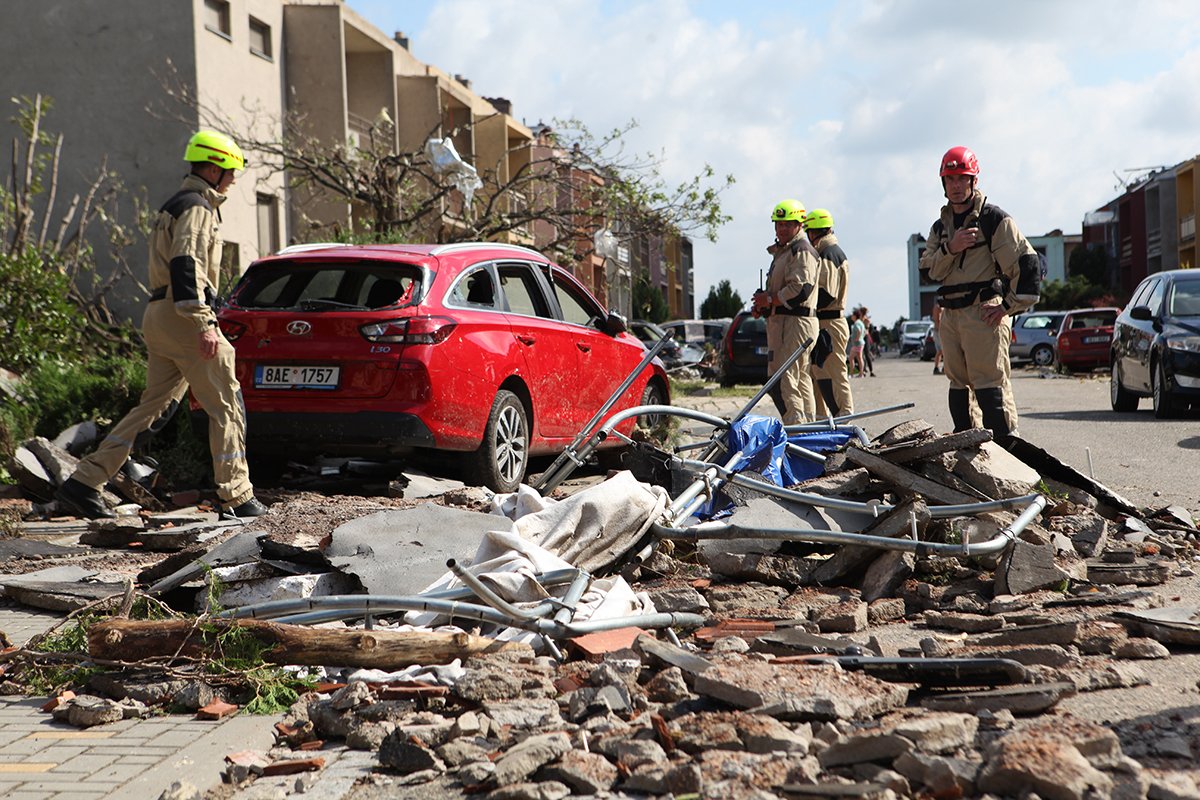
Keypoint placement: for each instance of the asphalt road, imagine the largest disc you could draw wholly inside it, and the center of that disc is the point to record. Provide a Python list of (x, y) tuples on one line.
[(1150, 462)]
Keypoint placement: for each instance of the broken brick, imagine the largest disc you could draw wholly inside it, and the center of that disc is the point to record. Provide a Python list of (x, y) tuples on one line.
[(218, 709), (593, 646)]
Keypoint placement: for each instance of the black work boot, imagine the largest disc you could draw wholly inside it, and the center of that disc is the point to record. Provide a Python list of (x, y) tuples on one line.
[(960, 408), (82, 500), (250, 508), (825, 385), (991, 403)]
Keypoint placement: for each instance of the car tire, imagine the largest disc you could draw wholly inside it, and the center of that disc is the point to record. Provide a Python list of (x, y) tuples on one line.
[(1042, 355), (652, 395), (1164, 404), (1122, 399), (503, 456)]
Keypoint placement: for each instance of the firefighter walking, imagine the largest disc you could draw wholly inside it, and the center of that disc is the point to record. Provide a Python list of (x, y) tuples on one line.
[(185, 347), (832, 381), (788, 302), (988, 272)]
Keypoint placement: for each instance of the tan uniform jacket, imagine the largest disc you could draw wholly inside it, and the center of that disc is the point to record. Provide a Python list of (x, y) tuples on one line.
[(793, 274), (833, 279), (185, 251), (1008, 250)]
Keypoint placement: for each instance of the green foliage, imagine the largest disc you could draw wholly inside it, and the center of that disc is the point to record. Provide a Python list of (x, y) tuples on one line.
[(1078, 292), (242, 655), (37, 321), (722, 301), (648, 302)]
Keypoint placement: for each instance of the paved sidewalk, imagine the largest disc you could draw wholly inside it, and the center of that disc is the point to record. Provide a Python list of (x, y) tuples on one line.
[(41, 759)]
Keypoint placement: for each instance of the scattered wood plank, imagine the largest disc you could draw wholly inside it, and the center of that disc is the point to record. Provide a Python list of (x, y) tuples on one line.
[(302, 645), (906, 480), (915, 451)]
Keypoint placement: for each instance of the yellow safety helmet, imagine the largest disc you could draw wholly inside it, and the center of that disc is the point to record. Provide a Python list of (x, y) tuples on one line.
[(215, 148), (818, 219), (788, 210)]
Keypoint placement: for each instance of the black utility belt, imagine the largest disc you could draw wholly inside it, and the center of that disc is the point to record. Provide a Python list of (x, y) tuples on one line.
[(829, 313), (971, 293), (784, 311), (158, 294)]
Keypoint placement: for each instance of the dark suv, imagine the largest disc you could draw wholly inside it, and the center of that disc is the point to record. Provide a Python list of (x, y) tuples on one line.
[(1156, 345), (744, 351)]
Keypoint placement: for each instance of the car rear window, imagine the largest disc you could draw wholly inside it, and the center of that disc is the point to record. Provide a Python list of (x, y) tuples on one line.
[(1093, 319), (317, 286), (1041, 322), (751, 326), (1185, 299)]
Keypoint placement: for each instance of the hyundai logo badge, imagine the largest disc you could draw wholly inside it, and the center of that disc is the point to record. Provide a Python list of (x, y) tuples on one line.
[(298, 327)]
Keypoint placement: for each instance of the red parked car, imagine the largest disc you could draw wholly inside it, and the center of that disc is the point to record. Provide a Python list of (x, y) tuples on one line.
[(1085, 336), (488, 350)]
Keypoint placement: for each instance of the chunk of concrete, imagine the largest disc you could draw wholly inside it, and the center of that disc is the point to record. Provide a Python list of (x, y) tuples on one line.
[(885, 574), (1019, 700), (799, 692), (1027, 567), (994, 471), (1034, 761), (523, 759)]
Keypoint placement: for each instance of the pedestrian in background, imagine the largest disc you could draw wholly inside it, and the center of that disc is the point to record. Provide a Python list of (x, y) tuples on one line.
[(788, 302), (988, 272), (858, 335), (184, 344), (833, 282)]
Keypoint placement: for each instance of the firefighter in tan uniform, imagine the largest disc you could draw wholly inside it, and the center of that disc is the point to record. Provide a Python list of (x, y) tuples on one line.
[(788, 303), (185, 346), (988, 272), (833, 283)]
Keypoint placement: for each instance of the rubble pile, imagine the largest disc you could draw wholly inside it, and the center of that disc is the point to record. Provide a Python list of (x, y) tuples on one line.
[(823, 667)]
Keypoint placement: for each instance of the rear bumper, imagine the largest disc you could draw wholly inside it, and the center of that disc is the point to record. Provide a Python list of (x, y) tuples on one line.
[(359, 432)]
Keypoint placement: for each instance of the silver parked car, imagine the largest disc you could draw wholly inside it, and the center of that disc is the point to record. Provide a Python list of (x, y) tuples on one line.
[(1035, 336)]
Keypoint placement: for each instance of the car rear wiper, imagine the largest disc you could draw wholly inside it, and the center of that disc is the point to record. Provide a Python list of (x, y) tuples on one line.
[(316, 303)]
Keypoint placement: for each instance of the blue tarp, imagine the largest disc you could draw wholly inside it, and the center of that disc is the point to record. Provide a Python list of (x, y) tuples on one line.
[(763, 443)]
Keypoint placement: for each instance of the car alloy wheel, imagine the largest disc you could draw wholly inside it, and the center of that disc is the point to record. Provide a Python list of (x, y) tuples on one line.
[(1043, 355), (651, 396), (1121, 398), (502, 457), (1164, 406)]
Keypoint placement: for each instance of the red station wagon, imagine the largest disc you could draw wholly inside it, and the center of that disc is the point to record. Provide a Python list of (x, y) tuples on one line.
[(1085, 336), (485, 349)]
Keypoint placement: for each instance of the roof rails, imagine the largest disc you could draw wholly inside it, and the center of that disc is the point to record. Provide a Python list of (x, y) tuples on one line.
[(516, 248), (304, 248)]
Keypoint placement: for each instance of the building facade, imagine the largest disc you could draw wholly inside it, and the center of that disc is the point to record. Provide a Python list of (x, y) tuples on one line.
[(307, 69)]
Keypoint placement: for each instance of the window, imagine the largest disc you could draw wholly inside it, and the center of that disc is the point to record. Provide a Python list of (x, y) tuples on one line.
[(1156, 298), (521, 291), (475, 289), (260, 39), (575, 307), (268, 224), (216, 17)]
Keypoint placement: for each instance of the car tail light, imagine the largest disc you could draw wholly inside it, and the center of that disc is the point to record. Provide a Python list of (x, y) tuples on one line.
[(232, 330), (409, 330)]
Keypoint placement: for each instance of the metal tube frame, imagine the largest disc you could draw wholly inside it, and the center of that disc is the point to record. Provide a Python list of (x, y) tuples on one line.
[(569, 454), (998, 543)]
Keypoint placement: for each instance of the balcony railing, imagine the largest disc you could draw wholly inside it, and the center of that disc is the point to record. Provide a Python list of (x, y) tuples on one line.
[(1187, 228)]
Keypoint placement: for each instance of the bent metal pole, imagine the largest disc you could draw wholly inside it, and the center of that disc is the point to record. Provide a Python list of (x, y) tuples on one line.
[(569, 453), (722, 530)]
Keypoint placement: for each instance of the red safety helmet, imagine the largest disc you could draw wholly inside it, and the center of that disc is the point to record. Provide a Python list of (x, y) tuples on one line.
[(959, 161)]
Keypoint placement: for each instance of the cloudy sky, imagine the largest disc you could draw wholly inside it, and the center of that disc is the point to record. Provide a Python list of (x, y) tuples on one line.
[(846, 106)]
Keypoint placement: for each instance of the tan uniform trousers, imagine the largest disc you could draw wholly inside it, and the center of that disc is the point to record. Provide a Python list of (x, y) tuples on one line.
[(175, 363), (785, 334), (975, 355), (834, 369)]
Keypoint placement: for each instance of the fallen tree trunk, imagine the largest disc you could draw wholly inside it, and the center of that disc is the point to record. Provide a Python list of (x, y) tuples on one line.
[(129, 640)]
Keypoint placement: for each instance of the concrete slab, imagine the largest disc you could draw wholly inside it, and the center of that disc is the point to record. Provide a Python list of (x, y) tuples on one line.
[(403, 551)]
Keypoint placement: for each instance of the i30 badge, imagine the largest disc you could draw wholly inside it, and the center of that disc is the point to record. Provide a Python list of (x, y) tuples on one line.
[(298, 327)]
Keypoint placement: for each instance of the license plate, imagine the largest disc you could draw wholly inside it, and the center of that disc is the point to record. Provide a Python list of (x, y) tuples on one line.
[(269, 377), (1095, 339), (760, 351)]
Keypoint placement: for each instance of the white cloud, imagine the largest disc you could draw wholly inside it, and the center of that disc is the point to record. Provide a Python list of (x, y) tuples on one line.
[(848, 109)]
